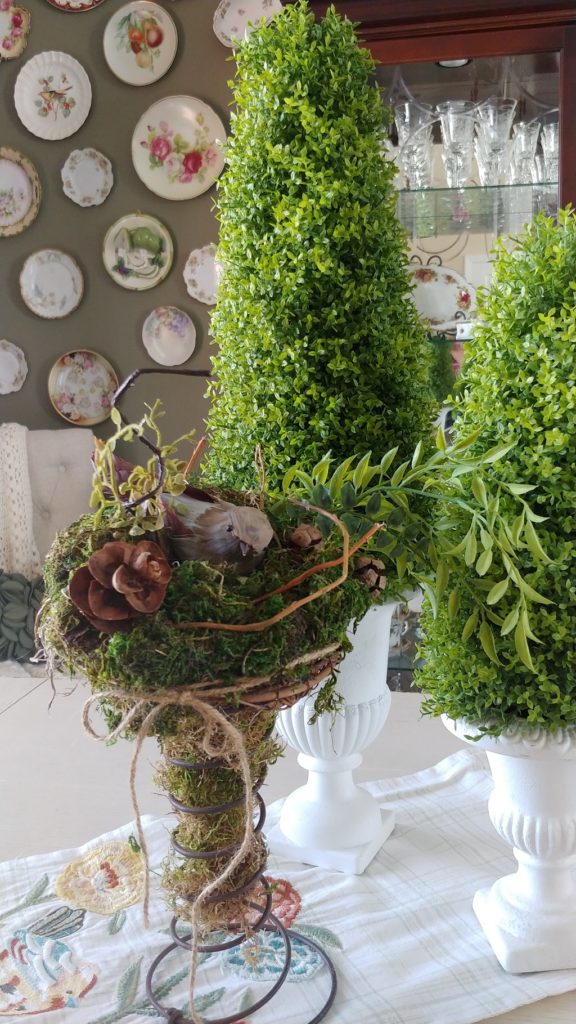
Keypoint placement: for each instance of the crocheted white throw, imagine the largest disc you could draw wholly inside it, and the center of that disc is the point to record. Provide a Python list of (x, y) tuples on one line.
[(18, 551)]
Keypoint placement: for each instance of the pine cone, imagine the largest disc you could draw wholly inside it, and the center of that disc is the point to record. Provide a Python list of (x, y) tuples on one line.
[(305, 536), (371, 572), (120, 582)]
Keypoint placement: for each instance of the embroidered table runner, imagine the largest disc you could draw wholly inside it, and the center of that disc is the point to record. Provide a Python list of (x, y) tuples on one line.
[(403, 936)]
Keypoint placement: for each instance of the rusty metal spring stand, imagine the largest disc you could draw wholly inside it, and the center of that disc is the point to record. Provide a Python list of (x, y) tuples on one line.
[(267, 921)]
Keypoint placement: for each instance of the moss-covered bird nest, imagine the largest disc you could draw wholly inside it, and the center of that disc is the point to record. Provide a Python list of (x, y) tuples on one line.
[(238, 666)]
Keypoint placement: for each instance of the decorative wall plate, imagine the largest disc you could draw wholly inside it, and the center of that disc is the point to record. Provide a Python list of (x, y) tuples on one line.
[(75, 6), (169, 335), (140, 42), (51, 284), (442, 296), (233, 19), (81, 385), (14, 29), (177, 147), (200, 274), (87, 177), (138, 251), (52, 95), (13, 367), (20, 192)]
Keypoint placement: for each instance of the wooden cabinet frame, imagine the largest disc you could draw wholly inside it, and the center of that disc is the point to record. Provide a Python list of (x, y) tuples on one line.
[(406, 31)]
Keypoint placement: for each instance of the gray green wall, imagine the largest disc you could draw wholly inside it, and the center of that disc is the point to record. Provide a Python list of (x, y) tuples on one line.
[(110, 318)]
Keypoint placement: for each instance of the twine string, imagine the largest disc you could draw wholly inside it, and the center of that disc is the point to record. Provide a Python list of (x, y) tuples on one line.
[(232, 748)]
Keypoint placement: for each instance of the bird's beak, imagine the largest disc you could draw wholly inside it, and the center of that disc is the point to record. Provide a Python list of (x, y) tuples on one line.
[(245, 548)]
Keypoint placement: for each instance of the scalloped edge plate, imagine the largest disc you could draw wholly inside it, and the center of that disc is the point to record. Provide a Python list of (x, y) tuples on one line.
[(13, 367), (19, 42), (234, 19), (200, 274), (15, 157), (87, 177), (47, 293), (44, 111)]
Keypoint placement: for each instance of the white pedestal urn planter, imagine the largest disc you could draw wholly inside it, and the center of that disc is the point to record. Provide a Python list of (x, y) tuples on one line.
[(331, 821), (529, 917)]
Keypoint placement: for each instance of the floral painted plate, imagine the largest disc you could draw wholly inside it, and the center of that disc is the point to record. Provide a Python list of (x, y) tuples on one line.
[(178, 147), (81, 385), (140, 42), (14, 29), (75, 6), (138, 251), (201, 274), (169, 335), (87, 177), (51, 284), (20, 192), (233, 19), (13, 368), (52, 95), (441, 296)]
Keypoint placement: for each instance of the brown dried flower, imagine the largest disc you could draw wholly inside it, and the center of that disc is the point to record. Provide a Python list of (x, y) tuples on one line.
[(119, 582), (305, 536), (371, 572)]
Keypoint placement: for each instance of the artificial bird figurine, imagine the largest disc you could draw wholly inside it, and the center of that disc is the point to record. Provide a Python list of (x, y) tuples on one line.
[(206, 528)]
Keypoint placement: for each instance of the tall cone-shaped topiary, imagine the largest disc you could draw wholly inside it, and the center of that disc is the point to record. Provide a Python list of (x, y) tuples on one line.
[(320, 346), (519, 388)]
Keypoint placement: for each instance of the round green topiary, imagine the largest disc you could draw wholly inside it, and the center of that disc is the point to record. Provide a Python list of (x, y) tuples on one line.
[(519, 388), (320, 345)]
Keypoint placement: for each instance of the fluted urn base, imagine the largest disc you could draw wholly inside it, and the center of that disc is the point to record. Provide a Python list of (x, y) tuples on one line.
[(331, 821), (529, 916)]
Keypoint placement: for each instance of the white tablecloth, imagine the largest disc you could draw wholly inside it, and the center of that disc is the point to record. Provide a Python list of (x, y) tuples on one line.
[(403, 937)]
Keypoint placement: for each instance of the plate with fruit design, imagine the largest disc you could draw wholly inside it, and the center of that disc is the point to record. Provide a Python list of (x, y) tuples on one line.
[(140, 42), (138, 251)]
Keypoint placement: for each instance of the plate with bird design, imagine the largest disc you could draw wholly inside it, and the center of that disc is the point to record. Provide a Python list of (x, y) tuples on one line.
[(52, 95)]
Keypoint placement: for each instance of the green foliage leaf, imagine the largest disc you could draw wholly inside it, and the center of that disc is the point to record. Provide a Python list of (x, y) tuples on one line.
[(488, 642), (479, 490), (484, 562), (497, 591), (470, 624)]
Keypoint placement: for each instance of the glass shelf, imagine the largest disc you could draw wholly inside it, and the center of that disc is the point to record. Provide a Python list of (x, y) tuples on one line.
[(475, 209)]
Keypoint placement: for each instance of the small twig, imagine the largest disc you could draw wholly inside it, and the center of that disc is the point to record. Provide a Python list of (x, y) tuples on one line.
[(195, 456), (259, 460), (321, 566)]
